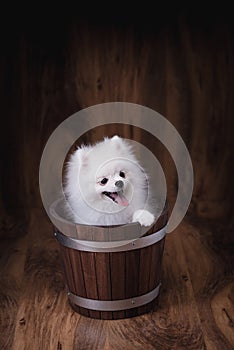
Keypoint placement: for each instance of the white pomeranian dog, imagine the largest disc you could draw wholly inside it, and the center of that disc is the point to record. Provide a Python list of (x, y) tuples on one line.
[(105, 185)]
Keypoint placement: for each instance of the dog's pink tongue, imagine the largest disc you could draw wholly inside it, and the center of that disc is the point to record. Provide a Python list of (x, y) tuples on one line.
[(121, 199)]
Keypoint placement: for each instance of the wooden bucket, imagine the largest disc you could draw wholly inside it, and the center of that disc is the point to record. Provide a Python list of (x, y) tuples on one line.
[(107, 275)]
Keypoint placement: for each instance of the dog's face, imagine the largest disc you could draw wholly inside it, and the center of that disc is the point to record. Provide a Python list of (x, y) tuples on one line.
[(115, 183), (109, 176)]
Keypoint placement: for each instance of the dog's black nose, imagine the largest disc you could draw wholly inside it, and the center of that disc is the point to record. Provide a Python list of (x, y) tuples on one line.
[(119, 184)]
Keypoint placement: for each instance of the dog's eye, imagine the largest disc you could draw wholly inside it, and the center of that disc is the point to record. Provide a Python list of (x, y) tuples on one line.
[(122, 174), (104, 181)]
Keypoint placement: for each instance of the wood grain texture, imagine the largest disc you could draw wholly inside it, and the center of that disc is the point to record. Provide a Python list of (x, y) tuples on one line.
[(180, 69), (113, 276), (195, 309), (180, 65), (92, 275)]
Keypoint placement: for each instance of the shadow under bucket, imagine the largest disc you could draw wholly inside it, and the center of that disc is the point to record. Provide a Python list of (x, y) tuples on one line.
[(110, 272)]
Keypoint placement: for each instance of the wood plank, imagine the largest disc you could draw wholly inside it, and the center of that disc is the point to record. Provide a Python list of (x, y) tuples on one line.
[(174, 72), (144, 275), (44, 317), (90, 279), (67, 268), (132, 278), (78, 285), (156, 263), (210, 263), (118, 268), (90, 334), (222, 306), (103, 272), (13, 252)]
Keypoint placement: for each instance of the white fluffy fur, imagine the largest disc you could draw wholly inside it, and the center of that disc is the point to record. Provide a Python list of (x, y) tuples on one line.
[(88, 165)]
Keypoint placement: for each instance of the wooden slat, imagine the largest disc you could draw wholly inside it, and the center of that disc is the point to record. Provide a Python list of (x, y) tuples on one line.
[(67, 268), (78, 279), (103, 273), (118, 268), (132, 278), (156, 264), (144, 275), (90, 279)]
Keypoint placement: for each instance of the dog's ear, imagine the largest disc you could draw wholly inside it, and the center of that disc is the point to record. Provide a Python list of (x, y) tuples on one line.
[(115, 138), (123, 147), (81, 156), (117, 141)]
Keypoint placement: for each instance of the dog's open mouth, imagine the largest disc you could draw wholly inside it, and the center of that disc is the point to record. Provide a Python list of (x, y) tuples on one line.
[(117, 197)]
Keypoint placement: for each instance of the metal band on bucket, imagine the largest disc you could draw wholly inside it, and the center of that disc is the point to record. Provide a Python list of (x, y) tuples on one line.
[(94, 246), (114, 305)]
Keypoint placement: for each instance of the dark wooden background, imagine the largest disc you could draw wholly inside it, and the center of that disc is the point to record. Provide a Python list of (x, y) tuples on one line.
[(179, 63)]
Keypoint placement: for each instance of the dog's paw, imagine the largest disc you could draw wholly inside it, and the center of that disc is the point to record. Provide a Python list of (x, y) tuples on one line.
[(144, 217)]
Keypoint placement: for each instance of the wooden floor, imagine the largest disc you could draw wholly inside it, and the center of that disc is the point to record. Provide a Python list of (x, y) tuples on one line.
[(196, 305)]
